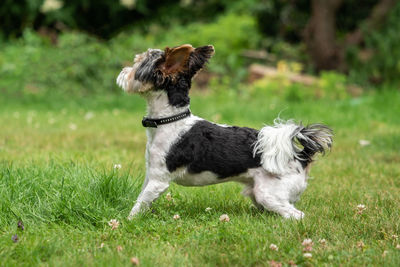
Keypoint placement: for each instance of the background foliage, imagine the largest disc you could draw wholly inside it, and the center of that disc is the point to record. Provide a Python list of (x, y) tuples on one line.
[(106, 27)]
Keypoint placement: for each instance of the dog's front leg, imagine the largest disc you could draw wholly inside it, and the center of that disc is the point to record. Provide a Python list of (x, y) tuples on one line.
[(151, 190)]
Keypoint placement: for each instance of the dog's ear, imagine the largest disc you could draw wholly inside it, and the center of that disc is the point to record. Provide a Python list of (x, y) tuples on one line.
[(200, 57), (176, 59)]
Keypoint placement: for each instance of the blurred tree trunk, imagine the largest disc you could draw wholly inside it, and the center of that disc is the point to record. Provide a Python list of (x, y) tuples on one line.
[(320, 32), (320, 35)]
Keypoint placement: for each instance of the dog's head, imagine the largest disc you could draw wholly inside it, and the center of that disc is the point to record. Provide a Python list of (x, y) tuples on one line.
[(170, 70)]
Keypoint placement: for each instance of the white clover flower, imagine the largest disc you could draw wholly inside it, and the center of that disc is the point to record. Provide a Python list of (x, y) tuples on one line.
[(307, 255), (364, 142), (322, 241), (113, 223), (307, 242), (117, 166), (273, 247), (168, 196), (224, 218), (208, 209), (176, 217), (89, 115), (385, 252), (360, 244), (73, 126), (398, 246), (361, 208)]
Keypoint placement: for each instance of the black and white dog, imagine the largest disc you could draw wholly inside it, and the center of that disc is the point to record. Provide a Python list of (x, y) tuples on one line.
[(273, 162)]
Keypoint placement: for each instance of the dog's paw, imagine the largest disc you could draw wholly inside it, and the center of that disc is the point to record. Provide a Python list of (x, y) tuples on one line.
[(294, 214)]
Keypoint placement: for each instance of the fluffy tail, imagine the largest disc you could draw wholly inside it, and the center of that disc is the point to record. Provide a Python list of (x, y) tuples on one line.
[(284, 142)]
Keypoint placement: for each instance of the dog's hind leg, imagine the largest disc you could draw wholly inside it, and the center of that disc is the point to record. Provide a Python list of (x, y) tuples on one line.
[(150, 192), (274, 194), (248, 192)]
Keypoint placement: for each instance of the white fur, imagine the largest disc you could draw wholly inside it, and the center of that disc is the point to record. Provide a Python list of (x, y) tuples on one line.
[(278, 194), (276, 147), (265, 189), (159, 141)]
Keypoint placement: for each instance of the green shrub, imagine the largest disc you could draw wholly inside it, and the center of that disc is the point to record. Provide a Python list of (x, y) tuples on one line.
[(230, 34), (78, 65), (381, 62), (330, 85), (81, 65)]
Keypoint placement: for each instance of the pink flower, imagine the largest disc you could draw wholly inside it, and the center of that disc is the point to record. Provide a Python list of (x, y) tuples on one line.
[(307, 244), (135, 261), (275, 264), (113, 223)]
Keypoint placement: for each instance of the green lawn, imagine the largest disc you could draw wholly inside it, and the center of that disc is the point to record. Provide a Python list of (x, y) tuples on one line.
[(57, 176)]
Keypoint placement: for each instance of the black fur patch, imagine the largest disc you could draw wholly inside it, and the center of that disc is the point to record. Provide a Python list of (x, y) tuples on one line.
[(145, 71), (312, 142), (226, 151)]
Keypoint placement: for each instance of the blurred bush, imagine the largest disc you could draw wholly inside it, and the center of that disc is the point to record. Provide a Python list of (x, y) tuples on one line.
[(70, 52), (329, 85), (378, 61), (229, 44), (80, 65)]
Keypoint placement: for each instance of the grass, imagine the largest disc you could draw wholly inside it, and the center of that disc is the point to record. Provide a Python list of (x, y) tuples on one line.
[(57, 176)]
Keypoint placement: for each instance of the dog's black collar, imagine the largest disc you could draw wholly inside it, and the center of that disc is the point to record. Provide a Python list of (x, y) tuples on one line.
[(153, 123)]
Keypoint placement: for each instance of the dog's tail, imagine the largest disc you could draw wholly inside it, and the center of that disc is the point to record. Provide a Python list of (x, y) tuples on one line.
[(284, 142)]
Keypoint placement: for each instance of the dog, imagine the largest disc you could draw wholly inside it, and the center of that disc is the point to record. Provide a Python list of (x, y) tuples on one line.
[(272, 163)]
